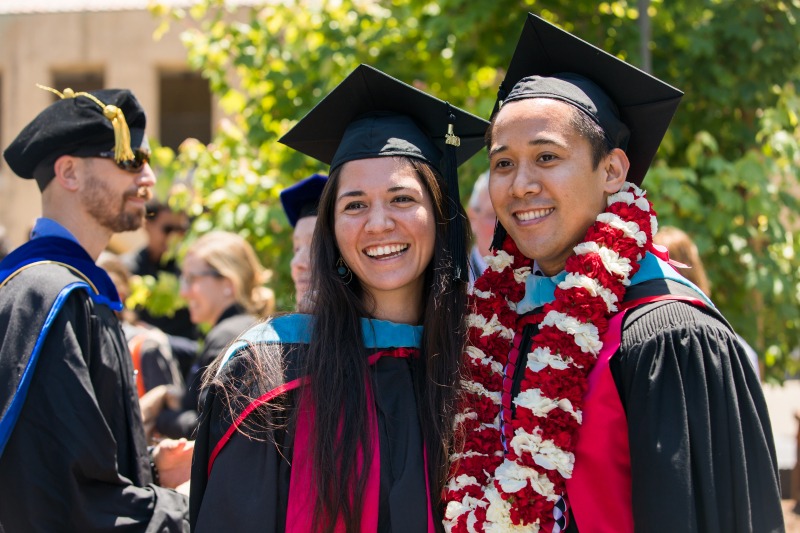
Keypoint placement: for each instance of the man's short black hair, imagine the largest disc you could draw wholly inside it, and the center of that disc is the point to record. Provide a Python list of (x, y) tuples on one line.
[(592, 132)]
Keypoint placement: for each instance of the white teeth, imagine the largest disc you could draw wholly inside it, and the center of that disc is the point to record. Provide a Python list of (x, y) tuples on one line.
[(385, 250), (538, 213)]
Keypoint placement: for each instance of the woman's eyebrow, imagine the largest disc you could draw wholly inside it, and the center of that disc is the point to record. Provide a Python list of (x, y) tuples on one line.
[(397, 188), (352, 193)]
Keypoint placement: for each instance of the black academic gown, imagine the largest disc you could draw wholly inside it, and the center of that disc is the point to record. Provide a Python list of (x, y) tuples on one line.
[(248, 488), (702, 453), (76, 459)]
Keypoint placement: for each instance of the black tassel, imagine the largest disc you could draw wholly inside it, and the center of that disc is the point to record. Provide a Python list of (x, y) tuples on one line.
[(501, 94), (499, 236), (456, 244)]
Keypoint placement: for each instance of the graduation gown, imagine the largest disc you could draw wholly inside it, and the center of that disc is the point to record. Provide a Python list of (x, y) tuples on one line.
[(248, 488), (702, 456), (75, 458)]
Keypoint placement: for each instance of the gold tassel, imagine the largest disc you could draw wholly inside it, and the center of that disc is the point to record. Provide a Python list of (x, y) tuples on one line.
[(122, 134)]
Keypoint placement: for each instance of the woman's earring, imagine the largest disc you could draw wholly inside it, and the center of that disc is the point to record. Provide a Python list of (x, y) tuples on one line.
[(343, 270)]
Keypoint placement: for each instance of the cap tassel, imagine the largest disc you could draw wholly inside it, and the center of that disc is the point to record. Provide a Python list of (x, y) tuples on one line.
[(122, 134), (499, 236), (456, 244), (501, 95)]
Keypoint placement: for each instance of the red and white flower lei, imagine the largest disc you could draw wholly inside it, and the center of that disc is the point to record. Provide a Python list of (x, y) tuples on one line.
[(491, 491)]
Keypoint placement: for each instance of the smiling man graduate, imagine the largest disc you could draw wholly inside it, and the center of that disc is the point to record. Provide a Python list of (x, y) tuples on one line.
[(607, 393), (72, 448)]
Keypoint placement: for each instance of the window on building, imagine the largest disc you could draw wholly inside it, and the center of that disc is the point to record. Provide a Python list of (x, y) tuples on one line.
[(185, 108), (78, 81)]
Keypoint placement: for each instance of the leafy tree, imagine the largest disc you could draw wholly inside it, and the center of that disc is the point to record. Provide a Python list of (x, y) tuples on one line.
[(726, 172)]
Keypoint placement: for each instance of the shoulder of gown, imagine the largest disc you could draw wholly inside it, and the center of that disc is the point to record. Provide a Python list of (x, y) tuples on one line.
[(702, 452)]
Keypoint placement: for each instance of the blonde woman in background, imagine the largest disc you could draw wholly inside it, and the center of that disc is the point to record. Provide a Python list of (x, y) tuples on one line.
[(222, 281), (683, 249)]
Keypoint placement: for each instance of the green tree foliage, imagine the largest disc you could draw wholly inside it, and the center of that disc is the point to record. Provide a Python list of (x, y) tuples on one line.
[(726, 172)]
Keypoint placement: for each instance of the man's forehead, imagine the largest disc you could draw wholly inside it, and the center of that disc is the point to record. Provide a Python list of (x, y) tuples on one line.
[(541, 119)]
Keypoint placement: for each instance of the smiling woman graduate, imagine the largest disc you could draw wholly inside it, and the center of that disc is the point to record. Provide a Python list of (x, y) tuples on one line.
[(341, 420)]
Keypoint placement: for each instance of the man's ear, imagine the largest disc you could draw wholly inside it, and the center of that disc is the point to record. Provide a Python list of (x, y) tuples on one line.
[(66, 168), (616, 165)]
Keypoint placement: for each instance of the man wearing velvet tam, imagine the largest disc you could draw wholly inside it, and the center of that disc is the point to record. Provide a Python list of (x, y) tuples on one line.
[(607, 393), (72, 448)]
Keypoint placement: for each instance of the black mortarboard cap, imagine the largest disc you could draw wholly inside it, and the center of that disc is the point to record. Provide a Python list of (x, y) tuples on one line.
[(633, 108), (73, 126), (552, 63), (302, 199), (370, 114)]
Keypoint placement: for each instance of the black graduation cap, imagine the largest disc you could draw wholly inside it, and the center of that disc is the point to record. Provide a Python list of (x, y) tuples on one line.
[(633, 107), (371, 114), (79, 124), (302, 199)]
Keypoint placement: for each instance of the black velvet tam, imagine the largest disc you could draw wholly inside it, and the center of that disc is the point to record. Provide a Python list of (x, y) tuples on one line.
[(302, 199), (72, 126), (370, 114), (633, 107)]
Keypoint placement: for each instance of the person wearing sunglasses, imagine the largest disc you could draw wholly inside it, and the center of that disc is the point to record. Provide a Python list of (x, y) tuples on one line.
[(72, 446), (164, 228)]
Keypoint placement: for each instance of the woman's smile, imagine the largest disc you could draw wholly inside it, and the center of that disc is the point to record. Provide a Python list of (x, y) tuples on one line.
[(386, 251)]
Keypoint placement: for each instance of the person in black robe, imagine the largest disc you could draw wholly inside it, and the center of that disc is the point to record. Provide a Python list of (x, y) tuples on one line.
[(343, 416), (72, 448), (702, 457)]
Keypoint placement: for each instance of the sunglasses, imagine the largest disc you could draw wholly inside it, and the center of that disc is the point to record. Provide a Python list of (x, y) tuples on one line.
[(140, 159), (188, 278)]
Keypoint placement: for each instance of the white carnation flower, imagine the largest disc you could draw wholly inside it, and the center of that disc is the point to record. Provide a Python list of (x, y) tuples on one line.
[(475, 320), (476, 388), (628, 186), (521, 274), (594, 287), (544, 452), (586, 335), (612, 261), (629, 229), (642, 204), (483, 294), (541, 358), (462, 481), (653, 225), (500, 261), (589, 247), (624, 197), (477, 355), (498, 516), (532, 399)]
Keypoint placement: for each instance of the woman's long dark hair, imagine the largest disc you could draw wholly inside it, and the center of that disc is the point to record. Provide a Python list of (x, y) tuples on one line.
[(337, 360)]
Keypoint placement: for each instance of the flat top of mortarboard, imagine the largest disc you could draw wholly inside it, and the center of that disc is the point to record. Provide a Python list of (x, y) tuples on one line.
[(302, 198), (645, 104), (75, 126), (371, 114)]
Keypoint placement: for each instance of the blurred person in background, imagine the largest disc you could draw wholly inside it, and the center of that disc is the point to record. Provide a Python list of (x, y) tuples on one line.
[(301, 202), (73, 455), (165, 228), (222, 281), (683, 249), (482, 219)]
